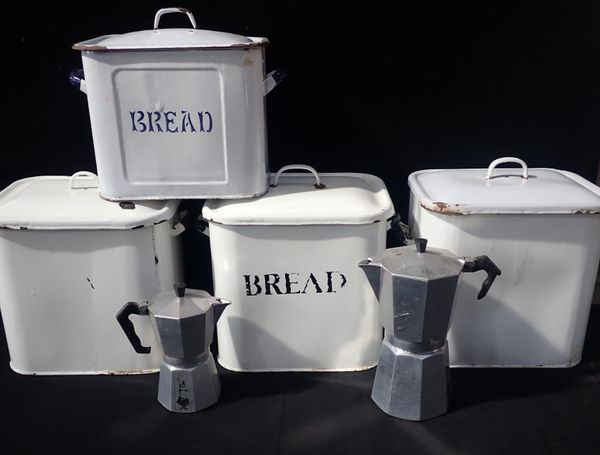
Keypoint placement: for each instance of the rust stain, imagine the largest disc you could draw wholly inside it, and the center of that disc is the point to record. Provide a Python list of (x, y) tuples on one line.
[(90, 47), (455, 209), (443, 208), (127, 373)]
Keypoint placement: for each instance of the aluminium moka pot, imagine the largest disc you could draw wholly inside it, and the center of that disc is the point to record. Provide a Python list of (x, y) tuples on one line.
[(184, 323), (415, 287)]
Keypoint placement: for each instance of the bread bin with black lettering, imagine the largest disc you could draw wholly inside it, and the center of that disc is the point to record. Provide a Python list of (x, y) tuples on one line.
[(287, 260)]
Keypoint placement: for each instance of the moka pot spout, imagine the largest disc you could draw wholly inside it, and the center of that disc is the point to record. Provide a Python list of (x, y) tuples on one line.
[(373, 272)]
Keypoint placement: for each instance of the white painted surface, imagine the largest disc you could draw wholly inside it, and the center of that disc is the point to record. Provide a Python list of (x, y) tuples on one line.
[(536, 313), (61, 288), (169, 38), (296, 332), (469, 191), (303, 330), (177, 114), (346, 199), (59, 202), (228, 159)]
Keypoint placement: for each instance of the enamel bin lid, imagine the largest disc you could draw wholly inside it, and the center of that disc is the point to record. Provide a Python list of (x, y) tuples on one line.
[(504, 191), (59, 202), (308, 198), (170, 38)]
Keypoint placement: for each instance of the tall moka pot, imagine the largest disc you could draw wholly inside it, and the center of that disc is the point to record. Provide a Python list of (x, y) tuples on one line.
[(415, 287)]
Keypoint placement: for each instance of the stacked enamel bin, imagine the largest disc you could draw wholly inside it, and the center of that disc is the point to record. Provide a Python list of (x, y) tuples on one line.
[(180, 114)]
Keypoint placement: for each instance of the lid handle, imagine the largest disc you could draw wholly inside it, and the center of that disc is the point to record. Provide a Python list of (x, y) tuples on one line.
[(507, 159), (303, 167), (421, 245), (83, 174), (162, 11), (179, 289)]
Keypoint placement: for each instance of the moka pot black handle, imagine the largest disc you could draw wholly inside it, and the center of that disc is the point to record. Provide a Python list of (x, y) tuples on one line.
[(486, 264), (127, 326)]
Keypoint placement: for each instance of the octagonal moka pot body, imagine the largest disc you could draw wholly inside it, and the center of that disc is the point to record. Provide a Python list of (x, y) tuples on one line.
[(184, 323), (415, 287)]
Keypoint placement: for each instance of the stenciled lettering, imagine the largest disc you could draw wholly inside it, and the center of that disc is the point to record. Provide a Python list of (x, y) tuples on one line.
[(187, 123), (258, 288), (273, 285), (313, 280), (201, 117), (184, 121), (170, 120), (330, 287), (288, 283), (137, 121)]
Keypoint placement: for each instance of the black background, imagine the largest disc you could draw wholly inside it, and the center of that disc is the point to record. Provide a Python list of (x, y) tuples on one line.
[(375, 87)]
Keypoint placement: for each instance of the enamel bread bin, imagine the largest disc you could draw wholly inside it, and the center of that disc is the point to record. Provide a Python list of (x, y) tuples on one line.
[(287, 260), (69, 260), (542, 227), (177, 113)]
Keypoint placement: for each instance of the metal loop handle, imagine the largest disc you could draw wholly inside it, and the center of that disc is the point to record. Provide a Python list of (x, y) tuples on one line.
[(82, 174), (303, 167), (162, 11), (507, 159)]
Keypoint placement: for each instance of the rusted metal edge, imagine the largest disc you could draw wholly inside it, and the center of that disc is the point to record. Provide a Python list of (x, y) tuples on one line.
[(240, 46), (126, 372), (444, 208), (84, 372), (26, 228)]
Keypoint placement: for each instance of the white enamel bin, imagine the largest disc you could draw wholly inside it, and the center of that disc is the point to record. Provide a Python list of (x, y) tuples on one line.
[(542, 228), (177, 113), (69, 261), (288, 262)]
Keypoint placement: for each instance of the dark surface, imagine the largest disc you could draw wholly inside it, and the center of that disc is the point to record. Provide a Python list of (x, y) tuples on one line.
[(371, 88), (493, 411)]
